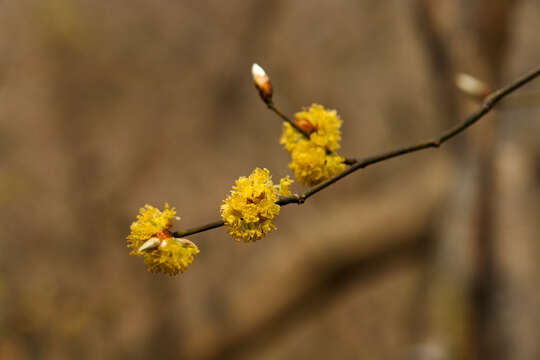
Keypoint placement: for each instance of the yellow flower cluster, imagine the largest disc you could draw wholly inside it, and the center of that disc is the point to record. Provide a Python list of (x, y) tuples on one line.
[(149, 222), (312, 165), (314, 160), (151, 239), (171, 256), (250, 208)]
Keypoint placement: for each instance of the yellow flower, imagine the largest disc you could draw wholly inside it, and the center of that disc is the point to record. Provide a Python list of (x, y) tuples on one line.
[(284, 184), (149, 222), (250, 208), (322, 125), (312, 165), (171, 256), (314, 160), (150, 238)]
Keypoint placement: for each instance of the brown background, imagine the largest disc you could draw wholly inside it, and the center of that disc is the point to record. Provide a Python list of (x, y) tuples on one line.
[(108, 105)]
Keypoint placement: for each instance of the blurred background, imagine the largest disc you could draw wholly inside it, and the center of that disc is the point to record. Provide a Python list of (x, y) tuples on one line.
[(108, 105)]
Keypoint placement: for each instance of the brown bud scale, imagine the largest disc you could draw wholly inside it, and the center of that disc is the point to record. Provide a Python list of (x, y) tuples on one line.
[(305, 125)]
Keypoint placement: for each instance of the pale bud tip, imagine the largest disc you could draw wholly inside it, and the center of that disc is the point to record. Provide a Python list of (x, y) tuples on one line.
[(262, 83), (257, 71), (186, 242), (471, 85), (149, 244)]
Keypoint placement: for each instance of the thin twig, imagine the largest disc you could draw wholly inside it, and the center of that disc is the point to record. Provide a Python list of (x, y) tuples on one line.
[(489, 102), (273, 107), (522, 100), (199, 229)]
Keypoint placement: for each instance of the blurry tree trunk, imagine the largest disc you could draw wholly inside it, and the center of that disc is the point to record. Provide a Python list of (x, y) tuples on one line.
[(462, 314)]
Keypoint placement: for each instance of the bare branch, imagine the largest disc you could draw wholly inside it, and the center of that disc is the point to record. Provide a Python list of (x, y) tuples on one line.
[(489, 102)]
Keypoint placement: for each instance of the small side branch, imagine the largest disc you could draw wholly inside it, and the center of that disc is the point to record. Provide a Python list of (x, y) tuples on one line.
[(284, 117)]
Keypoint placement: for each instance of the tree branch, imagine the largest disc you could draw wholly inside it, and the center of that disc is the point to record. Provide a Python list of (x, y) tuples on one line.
[(489, 102), (199, 229), (273, 107)]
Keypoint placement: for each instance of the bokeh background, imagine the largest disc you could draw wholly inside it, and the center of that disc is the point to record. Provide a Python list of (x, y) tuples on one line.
[(108, 105)]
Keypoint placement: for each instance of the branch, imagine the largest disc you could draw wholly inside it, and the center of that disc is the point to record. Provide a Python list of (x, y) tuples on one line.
[(199, 229), (489, 102), (273, 107)]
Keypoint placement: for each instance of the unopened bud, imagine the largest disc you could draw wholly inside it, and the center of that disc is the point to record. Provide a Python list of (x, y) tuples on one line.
[(305, 125), (471, 86), (185, 242), (262, 83), (150, 244)]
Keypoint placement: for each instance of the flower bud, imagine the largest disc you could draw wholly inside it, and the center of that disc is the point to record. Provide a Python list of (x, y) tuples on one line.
[(472, 86), (151, 243), (185, 242), (305, 125), (262, 83)]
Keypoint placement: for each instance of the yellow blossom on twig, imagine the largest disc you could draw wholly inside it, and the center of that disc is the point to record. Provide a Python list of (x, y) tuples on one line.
[(250, 208), (312, 165), (314, 160), (322, 125), (151, 239), (171, 256)]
